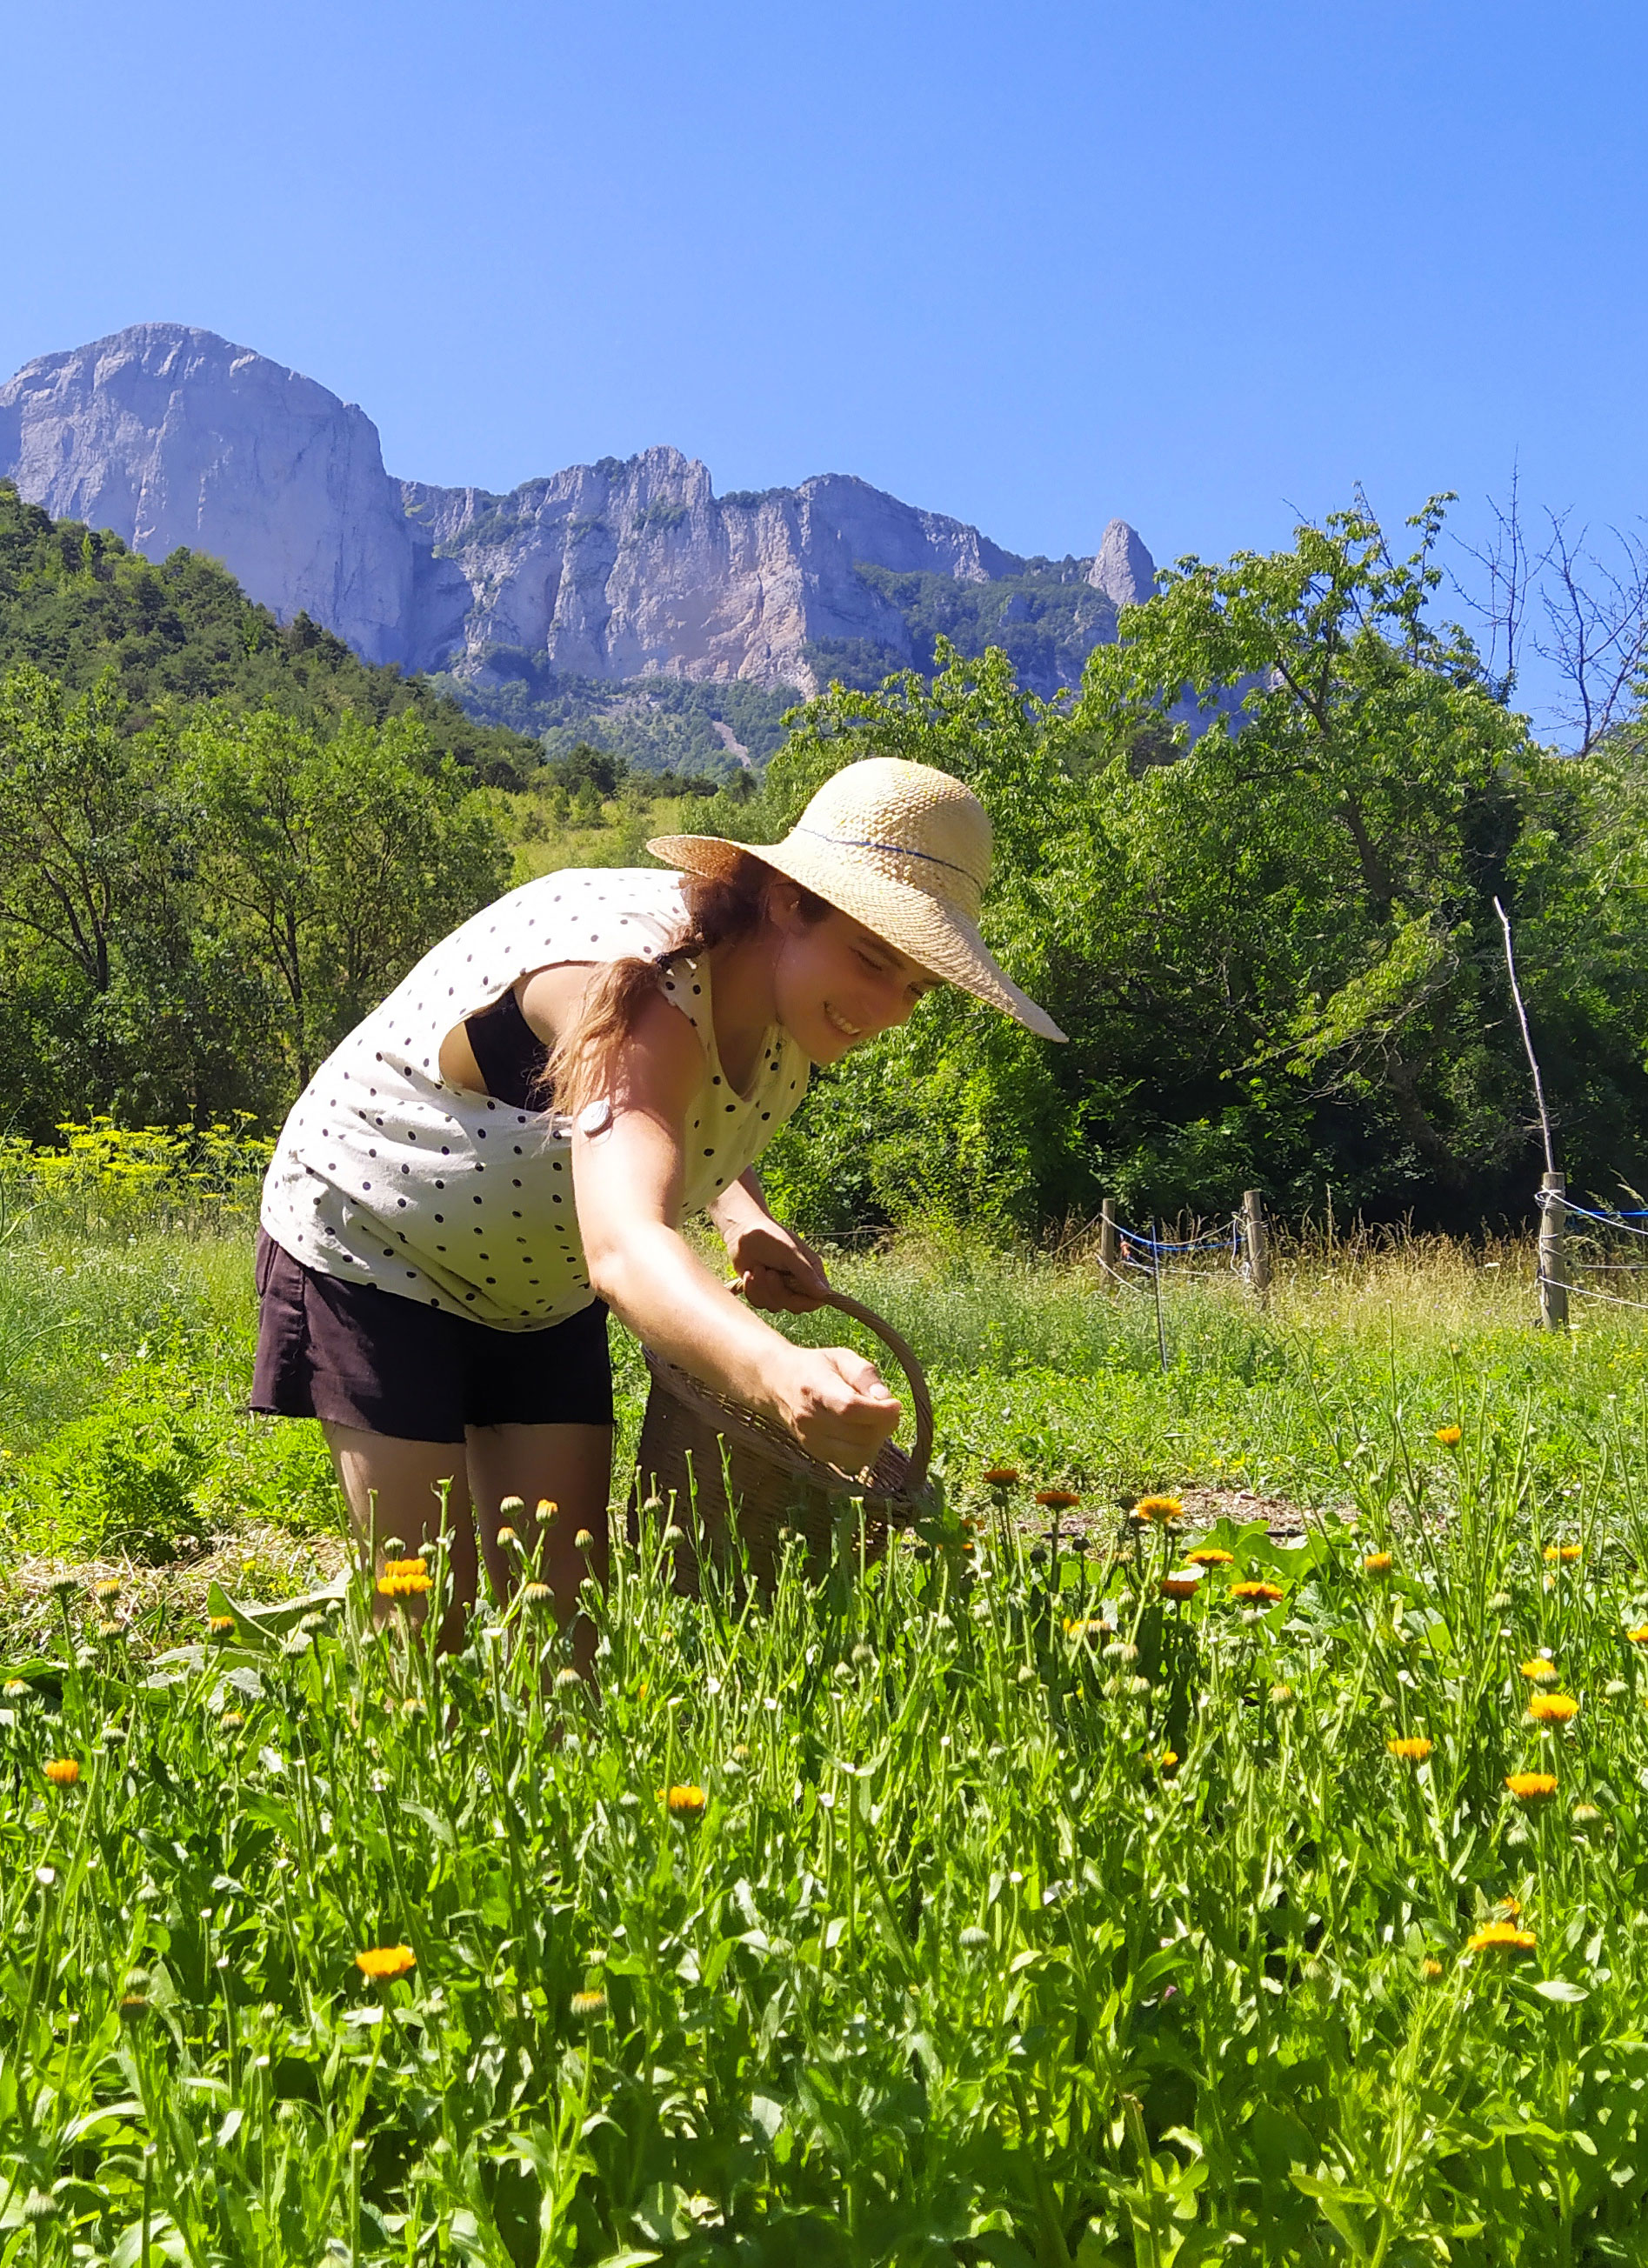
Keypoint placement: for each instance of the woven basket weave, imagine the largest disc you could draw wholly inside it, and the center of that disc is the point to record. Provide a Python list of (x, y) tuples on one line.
[(698, 1449)]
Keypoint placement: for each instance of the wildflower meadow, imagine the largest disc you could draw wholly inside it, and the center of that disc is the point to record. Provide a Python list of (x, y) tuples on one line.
[(1216, 1832)]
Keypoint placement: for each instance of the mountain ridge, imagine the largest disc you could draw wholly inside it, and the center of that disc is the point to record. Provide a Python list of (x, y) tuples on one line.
[(170, 436)]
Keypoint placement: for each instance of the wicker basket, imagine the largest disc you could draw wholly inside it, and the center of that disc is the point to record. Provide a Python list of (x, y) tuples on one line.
[(699, 1448)]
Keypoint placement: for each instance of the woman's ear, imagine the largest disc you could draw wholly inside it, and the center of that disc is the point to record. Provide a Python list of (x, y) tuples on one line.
[(783, 906)]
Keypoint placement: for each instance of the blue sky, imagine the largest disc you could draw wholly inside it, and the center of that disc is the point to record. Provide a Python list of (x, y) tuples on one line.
[(1204, 266)]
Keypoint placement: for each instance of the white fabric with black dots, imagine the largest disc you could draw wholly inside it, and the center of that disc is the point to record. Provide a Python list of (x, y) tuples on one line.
[(385, 1175)]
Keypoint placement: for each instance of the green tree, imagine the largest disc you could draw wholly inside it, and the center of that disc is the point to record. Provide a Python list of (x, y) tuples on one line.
[(335, 863)]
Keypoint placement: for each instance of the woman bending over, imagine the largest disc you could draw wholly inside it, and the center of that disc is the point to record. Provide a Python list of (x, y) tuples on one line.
[(505, 1149)]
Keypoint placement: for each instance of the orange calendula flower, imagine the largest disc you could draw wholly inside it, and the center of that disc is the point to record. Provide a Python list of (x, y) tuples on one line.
[(1553, 1708), (1001, 1475), (1058, 1500), (1639, 1636), (1501, 1937), (1450, 1436), (1166, 1764), (684, 1802), (1158, 1507), (1530, 1787), (1539, 1671), (1208, 1555), (1377, 1563), (404, 1586), (1431, 1971), (1413, 1749), (383, 1962), (1180, 1584), (220, 1625), (1267, 1593), (1567, 1553), (63, 1772)]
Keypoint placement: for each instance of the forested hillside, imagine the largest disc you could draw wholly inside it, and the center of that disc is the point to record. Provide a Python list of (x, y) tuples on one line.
[(79, 605)]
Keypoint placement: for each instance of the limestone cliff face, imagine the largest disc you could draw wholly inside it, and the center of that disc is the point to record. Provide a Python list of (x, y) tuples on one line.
[(171, 437), (617, 569)]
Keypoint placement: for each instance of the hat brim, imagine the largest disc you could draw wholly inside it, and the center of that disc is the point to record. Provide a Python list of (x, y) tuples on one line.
[(942, 940)]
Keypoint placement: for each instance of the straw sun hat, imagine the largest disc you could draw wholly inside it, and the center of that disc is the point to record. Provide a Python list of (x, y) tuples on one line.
[(904, 850)]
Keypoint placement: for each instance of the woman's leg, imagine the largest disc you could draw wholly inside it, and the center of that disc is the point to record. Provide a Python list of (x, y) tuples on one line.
[(405, 1481), (571, 1465)]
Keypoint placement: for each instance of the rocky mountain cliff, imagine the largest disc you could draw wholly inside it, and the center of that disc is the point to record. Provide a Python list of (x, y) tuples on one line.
[(616, 570)]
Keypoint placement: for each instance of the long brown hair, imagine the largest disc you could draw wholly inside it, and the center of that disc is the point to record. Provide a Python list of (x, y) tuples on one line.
[(720, 910)]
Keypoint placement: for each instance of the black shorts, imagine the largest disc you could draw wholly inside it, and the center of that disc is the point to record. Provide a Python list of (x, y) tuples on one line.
[(357, 1356)]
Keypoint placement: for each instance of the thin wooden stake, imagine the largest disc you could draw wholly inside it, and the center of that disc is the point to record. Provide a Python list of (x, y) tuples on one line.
[(1553, 1265), (1258, 1246), (1109, 1245), (1161, 1327)]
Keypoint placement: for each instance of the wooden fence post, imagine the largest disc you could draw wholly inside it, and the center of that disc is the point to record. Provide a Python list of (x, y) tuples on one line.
[(1258, 1246), (1553, 1269), (1110, 1248)]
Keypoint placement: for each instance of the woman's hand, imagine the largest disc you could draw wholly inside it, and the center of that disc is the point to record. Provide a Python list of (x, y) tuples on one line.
[(836, 1404), (774, 1268)]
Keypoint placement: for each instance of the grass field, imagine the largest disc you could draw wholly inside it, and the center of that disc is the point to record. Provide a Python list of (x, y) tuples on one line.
[(994, 1906)]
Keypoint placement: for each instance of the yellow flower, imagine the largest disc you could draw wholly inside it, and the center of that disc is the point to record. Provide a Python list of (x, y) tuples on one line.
[(547, 1510), (1414, 1748), (1181, 1585), (583, 1541), (1058, 1500), (1208, 1555), (1565, 1552), (404, 1579), (1530, 1787), (535, 1594), (1501, 1937), (1158, 1507), (1267, 1592), (1000, 1476), (220, 1625), (1283, 1697), (1450, 1436), (684, 1802), (1539, 1671), (1431, 1971), (505, 1537), (1553, 1708), (109, 1587), (231, 1720), (1166, 1764), (1377, 1563), (1508, 1909), (63, 1772), (383, 1962), (585, 2006), (1092, 1626), (17, 1688), (1639, 1636)]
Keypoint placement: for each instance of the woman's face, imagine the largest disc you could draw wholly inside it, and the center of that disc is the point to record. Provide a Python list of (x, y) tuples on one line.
[(836, 985)]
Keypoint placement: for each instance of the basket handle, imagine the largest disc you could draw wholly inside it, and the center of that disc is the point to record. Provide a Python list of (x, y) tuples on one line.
[(904, 1355)]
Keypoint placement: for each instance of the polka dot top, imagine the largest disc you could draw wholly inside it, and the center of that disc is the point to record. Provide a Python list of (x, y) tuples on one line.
[(385, 1175)]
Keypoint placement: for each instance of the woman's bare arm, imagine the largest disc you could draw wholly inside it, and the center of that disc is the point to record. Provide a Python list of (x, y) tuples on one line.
[(627, 1179)]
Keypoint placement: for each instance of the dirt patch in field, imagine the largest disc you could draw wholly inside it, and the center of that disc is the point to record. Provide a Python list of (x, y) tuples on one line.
[(1204, 1508), (167, 1602)]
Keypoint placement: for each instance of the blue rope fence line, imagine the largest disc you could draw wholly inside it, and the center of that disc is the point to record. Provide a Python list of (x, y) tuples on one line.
[(1552, 1202)]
